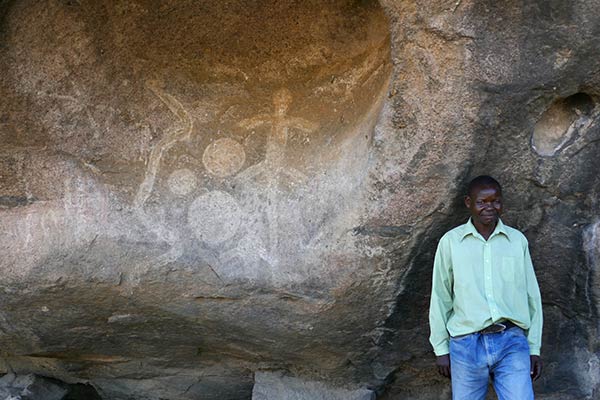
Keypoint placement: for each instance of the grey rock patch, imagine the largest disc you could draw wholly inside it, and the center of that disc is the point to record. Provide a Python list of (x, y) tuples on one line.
[(277, 386), (30, 387), (15, 201)]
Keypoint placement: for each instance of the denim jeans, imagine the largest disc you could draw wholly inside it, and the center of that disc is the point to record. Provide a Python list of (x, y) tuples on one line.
[(504, 356)]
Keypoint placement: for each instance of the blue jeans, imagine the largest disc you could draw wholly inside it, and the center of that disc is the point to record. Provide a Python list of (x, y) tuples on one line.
[(504, 356)]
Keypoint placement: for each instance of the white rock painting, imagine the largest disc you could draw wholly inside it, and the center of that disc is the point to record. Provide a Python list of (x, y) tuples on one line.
[(273, 166), (224, 157), (182, 182), (169, 139), (216, 217)]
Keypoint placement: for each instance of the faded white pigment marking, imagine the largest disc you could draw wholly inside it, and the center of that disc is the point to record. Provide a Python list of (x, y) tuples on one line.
[(170, 138), (215, 217), (343, 84), (273, 165), (182, 182), (224, 157), (248, 246)]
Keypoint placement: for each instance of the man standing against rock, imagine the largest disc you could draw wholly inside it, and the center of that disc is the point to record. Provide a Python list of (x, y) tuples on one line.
[(486, 311)]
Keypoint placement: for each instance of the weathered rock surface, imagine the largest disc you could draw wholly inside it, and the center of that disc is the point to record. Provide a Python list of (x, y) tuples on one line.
[(30, 387), (191, 192), (276, 385), (33, 387)]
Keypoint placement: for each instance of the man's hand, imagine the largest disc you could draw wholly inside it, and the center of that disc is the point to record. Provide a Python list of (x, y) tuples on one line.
[(443, 365), (536, 367)]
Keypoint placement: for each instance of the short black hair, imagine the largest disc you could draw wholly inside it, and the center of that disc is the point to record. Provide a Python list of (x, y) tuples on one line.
[(482, 181)]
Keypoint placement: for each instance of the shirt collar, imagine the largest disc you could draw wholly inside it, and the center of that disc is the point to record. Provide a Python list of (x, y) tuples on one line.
[(469, 229)]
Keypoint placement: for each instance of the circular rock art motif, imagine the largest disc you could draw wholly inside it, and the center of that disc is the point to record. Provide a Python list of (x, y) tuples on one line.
[(224, 157), (214, 217), (182, 182)]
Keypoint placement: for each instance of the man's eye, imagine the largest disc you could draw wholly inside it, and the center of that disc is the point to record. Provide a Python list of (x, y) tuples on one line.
[(479, 203)]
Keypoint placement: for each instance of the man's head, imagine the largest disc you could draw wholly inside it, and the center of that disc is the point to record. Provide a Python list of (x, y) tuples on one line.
[(484, 201)]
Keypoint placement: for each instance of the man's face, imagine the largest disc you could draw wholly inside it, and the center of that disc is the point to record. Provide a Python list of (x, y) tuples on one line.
[(485, 205)]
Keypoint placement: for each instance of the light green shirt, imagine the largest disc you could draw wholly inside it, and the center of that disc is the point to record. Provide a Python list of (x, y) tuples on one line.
[(477, 283)]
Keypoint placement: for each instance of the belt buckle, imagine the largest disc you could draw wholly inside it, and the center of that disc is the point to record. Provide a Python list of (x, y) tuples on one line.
[(494, 328)]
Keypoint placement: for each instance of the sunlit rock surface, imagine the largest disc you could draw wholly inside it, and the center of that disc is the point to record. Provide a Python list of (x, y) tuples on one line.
[(195, 192)]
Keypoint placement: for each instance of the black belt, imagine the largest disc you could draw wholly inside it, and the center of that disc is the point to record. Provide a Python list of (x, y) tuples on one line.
[(497, 327), (494, 328)]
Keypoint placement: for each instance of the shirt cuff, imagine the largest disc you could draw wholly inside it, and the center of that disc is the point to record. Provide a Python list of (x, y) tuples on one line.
[(534, 351), (442, 349)]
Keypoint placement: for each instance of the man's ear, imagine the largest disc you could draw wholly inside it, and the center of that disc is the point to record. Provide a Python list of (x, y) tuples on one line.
[(468, 201)]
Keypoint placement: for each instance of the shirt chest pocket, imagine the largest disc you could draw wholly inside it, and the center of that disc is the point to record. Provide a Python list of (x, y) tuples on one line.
[(508, 269)]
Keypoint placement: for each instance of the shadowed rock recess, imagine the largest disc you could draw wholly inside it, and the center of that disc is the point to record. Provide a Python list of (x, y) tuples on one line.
[(197, 196)]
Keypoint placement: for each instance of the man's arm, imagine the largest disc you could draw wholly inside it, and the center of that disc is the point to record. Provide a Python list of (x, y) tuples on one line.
[(534, 334), (440, 306)]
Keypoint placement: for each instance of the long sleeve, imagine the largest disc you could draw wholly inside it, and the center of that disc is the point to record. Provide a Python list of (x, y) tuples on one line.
[(440, 306), (534, 299)]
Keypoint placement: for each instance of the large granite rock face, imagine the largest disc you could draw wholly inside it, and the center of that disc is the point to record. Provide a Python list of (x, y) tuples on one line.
[(191, 192)]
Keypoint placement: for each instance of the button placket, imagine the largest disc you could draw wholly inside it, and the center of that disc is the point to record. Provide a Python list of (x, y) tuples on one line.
[(487, 271)]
